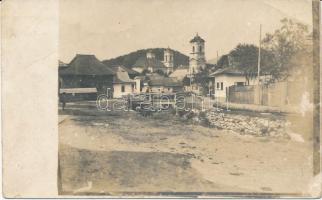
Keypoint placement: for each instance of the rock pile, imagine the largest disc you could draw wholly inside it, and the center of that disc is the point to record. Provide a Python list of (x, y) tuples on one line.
[(243, 124)]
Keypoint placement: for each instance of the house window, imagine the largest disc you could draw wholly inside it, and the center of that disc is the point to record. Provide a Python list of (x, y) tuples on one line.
[(123, 88), (218, 85), (222, 86)]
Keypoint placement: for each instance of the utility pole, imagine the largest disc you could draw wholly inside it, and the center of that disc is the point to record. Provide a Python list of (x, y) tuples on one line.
[(217, 59), (259, 54)]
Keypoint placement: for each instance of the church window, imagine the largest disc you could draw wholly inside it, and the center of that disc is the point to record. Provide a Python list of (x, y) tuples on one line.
[(193, 49)]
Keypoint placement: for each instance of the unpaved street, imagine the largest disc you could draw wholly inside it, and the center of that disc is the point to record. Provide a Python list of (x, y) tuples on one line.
[(114, 152)]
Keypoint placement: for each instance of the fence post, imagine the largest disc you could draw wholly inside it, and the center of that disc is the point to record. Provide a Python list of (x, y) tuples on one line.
[(227, 97)]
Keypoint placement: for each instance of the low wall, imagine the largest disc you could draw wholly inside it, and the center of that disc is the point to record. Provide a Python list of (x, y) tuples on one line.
[(249, 125), (258, 108), (273, 95)]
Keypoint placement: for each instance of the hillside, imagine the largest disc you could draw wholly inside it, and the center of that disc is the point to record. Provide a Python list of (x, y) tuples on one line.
[(128, 60)]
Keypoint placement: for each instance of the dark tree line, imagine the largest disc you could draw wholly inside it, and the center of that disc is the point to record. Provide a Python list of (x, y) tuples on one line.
[(286, 50)]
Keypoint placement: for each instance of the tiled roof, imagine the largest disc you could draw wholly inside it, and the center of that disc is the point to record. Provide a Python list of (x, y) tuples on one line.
[(86, 65)]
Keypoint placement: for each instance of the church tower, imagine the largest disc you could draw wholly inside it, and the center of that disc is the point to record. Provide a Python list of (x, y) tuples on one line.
[(168, 60), (197, 59), (150, 55)]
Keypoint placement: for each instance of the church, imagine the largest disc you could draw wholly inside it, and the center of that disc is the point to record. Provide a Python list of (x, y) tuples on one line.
[(151, 64), (197, 61)]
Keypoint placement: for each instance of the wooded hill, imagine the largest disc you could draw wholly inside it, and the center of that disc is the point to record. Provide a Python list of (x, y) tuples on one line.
[(128, 60)]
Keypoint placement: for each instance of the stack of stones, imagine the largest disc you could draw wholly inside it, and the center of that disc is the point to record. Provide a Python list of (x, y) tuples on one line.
[(243, 124)]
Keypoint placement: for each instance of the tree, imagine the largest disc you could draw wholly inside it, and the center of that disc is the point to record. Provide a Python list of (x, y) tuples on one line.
[(245, 58), (202, 79), (285, 43), (223, 61)]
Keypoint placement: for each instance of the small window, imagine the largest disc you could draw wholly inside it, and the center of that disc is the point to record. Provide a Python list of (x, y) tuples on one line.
[(200, 48), (123, 88), (222, 86), (218, 85), (193, 49)]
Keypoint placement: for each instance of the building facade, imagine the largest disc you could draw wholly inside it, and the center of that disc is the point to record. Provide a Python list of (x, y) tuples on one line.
[(85, 73), (224, 78), (122, 84)]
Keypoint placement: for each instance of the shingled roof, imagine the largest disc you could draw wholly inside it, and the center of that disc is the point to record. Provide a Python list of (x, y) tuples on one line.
[(86, 65), (197, 38)]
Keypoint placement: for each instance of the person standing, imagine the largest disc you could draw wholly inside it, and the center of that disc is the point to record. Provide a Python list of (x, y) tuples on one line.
[(63, 100)]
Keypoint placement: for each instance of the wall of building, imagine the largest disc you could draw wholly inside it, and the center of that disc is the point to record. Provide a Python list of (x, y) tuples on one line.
[(87, 81), (128, 89), (137, 87), (220, 93)]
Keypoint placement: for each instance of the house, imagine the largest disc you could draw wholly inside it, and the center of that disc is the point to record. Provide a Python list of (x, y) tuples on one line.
[(222, 79), (132, 73), (85, 71), (180, 72), (161, 84), (122, 84)]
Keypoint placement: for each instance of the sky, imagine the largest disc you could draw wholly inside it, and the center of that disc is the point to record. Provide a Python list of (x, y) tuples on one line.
[(110, 28)]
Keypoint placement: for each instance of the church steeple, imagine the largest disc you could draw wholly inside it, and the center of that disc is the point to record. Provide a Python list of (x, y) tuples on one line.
[(168, 59), (197, 59)]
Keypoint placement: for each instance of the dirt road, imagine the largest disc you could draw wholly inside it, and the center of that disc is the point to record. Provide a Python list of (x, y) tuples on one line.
[(117, 152)]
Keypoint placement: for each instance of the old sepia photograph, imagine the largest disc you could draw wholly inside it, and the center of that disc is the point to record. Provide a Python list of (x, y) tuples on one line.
[(187, 98)]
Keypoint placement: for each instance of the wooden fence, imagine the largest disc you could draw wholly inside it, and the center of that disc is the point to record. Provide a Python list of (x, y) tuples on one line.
[(276, 94)]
